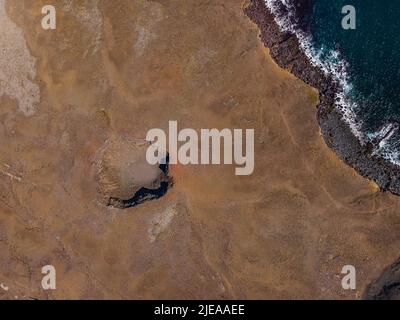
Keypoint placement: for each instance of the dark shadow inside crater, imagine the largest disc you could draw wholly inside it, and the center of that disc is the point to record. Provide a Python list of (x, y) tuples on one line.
[(145, 194)]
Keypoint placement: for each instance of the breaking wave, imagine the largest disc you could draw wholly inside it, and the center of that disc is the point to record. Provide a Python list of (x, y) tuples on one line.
[(336, 67)]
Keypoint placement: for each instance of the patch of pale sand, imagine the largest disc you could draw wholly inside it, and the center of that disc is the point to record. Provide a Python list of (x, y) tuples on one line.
[(90, 17), (200, 58), (145, 36), (17, 66), (160, 222), (145, 28)]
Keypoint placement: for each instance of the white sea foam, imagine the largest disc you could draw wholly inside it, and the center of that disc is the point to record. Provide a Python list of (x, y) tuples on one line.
[(387, 147), (331, 63)]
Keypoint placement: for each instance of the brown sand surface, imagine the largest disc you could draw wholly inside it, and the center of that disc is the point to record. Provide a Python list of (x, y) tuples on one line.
[(120, 68)]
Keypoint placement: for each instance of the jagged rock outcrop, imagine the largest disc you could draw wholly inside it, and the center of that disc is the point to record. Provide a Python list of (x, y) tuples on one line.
[(387, 286)]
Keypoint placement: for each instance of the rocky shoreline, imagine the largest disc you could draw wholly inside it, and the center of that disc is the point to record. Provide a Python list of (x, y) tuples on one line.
[(285, 50)]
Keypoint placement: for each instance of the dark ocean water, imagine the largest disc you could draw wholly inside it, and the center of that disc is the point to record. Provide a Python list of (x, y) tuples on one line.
[(365, 61)]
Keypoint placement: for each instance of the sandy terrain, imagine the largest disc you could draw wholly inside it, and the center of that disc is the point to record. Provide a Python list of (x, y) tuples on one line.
[(120, 68)]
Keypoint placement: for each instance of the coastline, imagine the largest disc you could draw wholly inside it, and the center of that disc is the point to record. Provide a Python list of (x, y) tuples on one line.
[(282, 233), (285, 49)]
